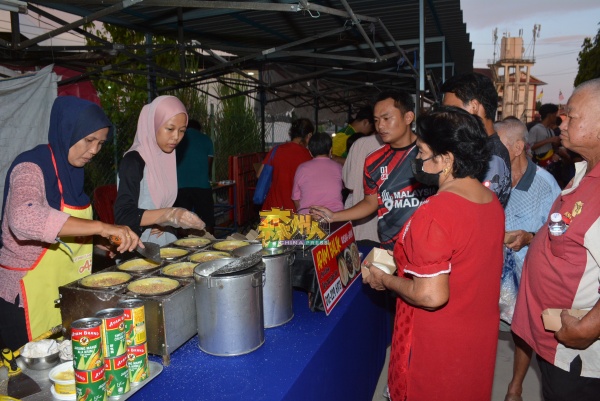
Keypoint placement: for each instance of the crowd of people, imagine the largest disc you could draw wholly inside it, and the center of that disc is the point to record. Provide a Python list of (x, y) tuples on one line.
[(469, 260), (462, 203)]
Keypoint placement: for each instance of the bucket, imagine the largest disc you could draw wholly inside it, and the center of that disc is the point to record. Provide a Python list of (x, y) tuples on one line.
[(278, 290), (229, 309)]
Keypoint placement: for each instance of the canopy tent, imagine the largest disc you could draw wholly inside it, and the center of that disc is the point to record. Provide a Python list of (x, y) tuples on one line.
[(324, 58)]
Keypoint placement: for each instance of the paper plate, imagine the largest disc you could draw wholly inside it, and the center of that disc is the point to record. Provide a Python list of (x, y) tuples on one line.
[(181, 269), (207, 256), (105, 280), (192, 242), (229, 245), (153, 286), (138, 265)]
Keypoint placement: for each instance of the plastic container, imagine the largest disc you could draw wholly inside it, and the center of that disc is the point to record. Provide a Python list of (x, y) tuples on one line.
[(64, 383), (557, 226)]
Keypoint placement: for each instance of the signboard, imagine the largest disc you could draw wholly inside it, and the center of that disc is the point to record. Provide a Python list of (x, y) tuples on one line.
[(337, 265)]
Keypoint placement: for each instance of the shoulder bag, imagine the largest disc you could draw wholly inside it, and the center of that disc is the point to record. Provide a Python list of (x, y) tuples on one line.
[(264, 181)]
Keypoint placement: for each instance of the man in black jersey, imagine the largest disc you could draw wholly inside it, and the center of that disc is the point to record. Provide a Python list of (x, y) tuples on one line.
[(390, 188)]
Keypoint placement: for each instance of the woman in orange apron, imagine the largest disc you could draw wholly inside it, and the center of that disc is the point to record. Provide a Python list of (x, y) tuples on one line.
[(46, 221)]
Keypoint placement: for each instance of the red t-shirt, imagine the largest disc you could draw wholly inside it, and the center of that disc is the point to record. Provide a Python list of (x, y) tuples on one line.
[(287, 158)]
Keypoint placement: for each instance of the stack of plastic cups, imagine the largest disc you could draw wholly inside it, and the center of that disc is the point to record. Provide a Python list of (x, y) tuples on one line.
[(137, 348), (114, 351), (88, 364)]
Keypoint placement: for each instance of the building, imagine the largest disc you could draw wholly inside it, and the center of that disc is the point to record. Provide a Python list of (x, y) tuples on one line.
[(517, 88)]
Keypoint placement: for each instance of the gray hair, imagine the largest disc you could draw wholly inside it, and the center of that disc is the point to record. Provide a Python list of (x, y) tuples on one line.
[(512, 128)]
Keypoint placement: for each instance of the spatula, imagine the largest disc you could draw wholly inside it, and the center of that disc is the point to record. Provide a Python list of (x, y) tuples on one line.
[(150, 251), (19, 384)]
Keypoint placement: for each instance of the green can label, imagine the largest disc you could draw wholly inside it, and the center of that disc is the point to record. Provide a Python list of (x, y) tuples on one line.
[(86, 338), (113, 332), (90, 385), (135, 321), (117, 376), (137, 362)]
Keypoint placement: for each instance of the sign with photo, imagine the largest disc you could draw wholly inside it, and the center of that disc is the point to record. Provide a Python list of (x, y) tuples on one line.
[(337, 265)]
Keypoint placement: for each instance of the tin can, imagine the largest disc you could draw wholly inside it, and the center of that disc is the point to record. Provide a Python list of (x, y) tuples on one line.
[(137, 363), (90, 385), (86, 337), (135, 321), (113, 332), (117, 376)]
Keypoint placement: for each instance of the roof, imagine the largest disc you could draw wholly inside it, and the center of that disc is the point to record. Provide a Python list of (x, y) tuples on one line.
[(336, 52)]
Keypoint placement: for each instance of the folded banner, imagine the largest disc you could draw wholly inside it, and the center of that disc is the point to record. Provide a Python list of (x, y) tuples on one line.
[(264, 181)]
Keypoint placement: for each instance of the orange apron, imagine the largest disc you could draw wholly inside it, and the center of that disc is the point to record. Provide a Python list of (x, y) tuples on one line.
[(57, 265)]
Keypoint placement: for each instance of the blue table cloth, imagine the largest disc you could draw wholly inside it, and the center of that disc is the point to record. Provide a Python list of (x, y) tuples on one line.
[(312, 357)]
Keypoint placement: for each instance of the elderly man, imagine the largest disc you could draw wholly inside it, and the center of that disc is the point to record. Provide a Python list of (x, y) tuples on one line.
[(533, 193), (563, 271)]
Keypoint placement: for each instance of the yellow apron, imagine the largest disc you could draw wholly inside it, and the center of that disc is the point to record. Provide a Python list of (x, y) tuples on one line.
[(56, 266)]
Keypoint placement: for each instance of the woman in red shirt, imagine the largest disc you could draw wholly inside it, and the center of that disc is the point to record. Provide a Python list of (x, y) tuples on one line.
[(449, 258)]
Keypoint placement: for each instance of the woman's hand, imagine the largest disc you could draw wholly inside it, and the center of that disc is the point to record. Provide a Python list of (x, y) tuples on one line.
[(320, 213), (121, 236), (180, 217), (375, 277)]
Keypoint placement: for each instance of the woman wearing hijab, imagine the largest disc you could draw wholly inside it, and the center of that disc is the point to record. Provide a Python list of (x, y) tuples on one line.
[(148, 174), (46, 221)]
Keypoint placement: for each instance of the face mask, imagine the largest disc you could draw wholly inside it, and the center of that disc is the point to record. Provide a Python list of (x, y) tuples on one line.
[(429, 179)]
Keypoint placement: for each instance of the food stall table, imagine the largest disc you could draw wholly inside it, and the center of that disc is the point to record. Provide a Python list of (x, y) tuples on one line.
[(312, 357)]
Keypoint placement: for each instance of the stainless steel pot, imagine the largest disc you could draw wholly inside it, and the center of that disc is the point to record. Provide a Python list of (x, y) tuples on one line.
[(277, 292), (229, 309)]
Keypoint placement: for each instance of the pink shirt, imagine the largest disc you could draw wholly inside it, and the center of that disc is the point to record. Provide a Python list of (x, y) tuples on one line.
[(29, 224), (318, 182)]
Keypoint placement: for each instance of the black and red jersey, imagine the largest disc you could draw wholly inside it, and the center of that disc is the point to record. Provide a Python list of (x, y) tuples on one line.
[(388, 174)]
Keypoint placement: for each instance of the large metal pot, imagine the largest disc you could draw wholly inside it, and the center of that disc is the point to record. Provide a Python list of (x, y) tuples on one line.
[(277, 292), (229, 309)]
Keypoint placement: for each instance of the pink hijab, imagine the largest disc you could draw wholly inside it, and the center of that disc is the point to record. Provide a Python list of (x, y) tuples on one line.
[(162, 167)]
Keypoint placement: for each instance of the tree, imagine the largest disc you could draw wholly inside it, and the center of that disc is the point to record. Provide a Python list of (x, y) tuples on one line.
[(589, 60)]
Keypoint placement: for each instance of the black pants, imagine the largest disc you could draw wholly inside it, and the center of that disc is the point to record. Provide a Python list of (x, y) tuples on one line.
[(560, 385), (13, 329)]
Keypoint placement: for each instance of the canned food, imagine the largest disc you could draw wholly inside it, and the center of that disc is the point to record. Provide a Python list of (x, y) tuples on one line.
[(135, 321), (117, 376), (113, 332), (137, 363), (86, 337), (90, 385)]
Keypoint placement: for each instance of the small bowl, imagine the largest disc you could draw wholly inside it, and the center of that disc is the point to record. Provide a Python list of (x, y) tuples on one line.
[(41, 363)]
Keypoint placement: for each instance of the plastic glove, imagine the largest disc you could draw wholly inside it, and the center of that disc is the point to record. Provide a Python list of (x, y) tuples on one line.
[(180, 217)]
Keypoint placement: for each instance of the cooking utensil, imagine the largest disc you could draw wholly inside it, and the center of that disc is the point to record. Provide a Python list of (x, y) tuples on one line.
[(239, 264), (150, 251), (19, 384)]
